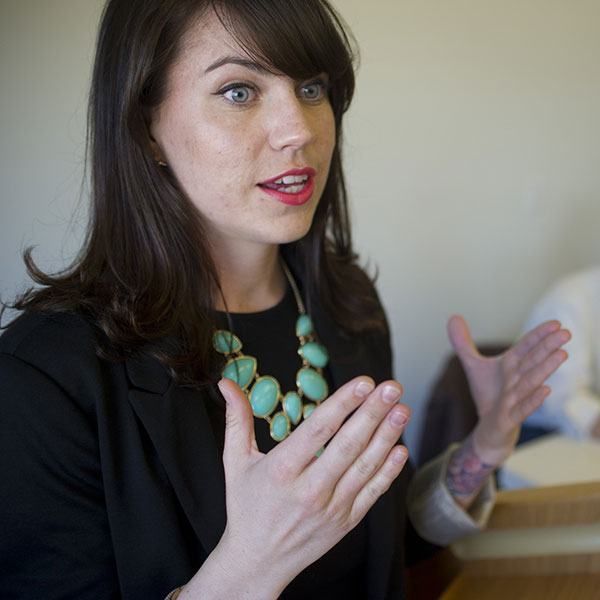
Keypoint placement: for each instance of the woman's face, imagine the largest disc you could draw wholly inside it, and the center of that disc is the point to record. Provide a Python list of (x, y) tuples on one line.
[(250, 149)]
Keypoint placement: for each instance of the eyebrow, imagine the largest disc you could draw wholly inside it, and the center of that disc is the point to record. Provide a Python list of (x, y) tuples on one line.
[(236, 60)]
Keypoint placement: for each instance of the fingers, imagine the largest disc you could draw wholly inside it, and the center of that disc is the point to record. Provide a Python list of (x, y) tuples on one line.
[(460, 337), (239, 425), (544, 345), (360, 462), (351, 440), (369, 462), (543, 356), (527, 406), (379, 483), (536, 375), (532, 338), (300, 448), (530, 392)]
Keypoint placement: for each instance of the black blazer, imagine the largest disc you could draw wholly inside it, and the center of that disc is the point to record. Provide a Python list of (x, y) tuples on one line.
[(112, 481)]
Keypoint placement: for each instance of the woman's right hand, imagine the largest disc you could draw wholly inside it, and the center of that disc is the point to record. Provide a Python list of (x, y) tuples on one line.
[(285, 509)]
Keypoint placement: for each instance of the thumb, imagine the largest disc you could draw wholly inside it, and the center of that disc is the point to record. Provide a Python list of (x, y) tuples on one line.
[(460, 338), (239, 424)]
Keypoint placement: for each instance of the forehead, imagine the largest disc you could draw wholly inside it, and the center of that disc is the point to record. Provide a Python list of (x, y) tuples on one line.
[(293, 48), (207, 41)]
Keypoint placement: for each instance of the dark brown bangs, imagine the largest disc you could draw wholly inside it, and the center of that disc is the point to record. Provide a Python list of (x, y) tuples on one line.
[(299, 38)]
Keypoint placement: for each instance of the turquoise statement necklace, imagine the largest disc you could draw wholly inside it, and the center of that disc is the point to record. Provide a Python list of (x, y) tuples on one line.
[(264, 392)]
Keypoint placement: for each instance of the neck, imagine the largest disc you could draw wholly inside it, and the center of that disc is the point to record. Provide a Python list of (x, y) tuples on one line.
[(252, 280)]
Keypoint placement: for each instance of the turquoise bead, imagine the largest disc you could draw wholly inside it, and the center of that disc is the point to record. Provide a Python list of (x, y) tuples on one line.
[(308, 410), (280, 427), (292, 405), (241, 370), (226, 342), (312, 384), (314, 353), (264, 396), (304, 325)]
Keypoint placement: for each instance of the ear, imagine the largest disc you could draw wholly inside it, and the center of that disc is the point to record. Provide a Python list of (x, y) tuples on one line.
[(151, 118), (157, 152)]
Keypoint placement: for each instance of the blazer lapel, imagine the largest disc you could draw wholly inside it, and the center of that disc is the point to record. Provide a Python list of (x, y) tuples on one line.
[(178, 425)]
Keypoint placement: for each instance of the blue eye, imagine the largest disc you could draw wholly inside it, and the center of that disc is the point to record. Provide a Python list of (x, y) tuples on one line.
[(239, 95), (311, 91), (314, 90)]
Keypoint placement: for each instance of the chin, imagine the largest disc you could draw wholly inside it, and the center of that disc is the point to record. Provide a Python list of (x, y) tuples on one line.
[(294, 234)]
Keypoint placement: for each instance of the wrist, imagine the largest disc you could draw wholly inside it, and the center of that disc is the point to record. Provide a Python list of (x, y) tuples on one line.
[(492, 448), (466, 473), (229, 572)]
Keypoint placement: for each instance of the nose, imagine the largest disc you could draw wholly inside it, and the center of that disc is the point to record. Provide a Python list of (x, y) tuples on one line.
[(292, 124)]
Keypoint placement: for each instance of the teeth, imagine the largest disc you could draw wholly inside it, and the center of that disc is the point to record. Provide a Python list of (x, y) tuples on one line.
[(291, 179), (291, 189)]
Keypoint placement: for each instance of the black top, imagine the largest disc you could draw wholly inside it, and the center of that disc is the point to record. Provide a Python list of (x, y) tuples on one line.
[(270, 336), (112, 477)]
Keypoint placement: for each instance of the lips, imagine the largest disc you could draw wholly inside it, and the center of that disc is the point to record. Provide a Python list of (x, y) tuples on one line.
[(294, 187)]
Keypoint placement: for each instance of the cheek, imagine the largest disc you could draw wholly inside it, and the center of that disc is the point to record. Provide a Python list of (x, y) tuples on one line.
[(327, 144), (331, 133), (224, 150), (327, 132), (215, 170), (203, 157)]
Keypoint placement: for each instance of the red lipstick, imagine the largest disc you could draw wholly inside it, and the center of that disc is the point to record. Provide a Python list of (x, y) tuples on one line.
[(294, 187)]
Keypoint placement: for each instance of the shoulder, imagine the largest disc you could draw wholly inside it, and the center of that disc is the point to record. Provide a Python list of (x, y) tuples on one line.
[(581, 283), (53, 327), (40, 337), (58, 348)]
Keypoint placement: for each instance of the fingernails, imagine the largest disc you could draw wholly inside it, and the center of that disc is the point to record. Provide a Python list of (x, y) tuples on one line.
[(363, 389), (391, 394), (398, 418), (223, 391), (400, 455)]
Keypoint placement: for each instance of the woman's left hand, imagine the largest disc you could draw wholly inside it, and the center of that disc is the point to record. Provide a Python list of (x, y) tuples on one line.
[(508, 387)]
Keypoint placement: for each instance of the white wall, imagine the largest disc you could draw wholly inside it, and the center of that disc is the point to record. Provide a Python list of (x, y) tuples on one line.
[(474, 162), (46, 49), (473, 153)]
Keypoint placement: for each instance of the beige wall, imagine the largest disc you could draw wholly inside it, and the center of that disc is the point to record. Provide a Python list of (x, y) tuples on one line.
[(473, 153), (46, 49)]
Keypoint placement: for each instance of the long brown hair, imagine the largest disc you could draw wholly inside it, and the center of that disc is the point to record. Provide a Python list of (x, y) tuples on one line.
[(145, 275)]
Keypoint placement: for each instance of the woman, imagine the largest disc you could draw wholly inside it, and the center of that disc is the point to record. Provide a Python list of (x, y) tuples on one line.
[(134, 462)]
